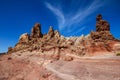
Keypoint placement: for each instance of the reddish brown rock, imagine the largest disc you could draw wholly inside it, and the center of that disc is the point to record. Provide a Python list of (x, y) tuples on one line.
[(57, 34), (55, 57), (76, 45), (101, 36), (50, 32), (24, 38), (10, 49), (102, 25), (36, 31), (102, 30), (68, 58)]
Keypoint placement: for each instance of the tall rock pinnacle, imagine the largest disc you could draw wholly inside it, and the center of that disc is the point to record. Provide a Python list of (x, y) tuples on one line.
[(36, 31), (50, 32), (101, 25), (102, 30)]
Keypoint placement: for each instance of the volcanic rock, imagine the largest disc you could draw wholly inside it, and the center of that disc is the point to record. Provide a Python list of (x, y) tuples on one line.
[(24, 38), (101, 25), (36, 31), (93, 42), (56, 34), (68, 58), (24, 42), (116, 47), (50, 32), (102, 30), (79, 40), (45, 56), (10, 49)]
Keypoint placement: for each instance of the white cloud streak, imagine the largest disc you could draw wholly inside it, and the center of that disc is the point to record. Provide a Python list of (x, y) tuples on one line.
[(65, 22), (58, 13)]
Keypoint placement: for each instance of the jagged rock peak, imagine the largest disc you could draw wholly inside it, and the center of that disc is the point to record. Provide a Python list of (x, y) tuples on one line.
[(50, 32), (102, 30), (57, 34), (99, 17), (36, 31), (101, 25)]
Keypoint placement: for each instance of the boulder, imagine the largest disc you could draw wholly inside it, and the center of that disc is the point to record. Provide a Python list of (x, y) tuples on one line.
[(116, 47), (68, 58)]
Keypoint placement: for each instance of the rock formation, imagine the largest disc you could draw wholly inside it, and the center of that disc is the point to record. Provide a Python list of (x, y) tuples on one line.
[(101, 25), (24, 38), (97, 41), (52, 56), (56, 34), (36, 31), (102, 30), (50, 32)]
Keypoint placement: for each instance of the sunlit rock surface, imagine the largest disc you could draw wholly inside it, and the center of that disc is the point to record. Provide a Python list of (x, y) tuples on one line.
[(52, 56)]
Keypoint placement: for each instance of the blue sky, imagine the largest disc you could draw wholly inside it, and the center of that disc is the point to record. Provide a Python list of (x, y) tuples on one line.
[(70, 17)]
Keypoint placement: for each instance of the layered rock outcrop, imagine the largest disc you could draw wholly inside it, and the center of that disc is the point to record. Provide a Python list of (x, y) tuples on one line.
[(101, 25), (34, 56), (24, 38), (97, 41), (50, 32), (102, 30), (36, 31)]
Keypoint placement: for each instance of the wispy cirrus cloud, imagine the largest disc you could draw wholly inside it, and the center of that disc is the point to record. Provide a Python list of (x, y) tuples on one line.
[(74, 18), (58, 13)]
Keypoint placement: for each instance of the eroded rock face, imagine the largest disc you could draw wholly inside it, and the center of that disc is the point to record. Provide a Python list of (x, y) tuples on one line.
[(102, 30), (101, 25), (24, 38), (101, 36), (50, 32), (10, 49), (57, 34), (36, 31), (82, 45)]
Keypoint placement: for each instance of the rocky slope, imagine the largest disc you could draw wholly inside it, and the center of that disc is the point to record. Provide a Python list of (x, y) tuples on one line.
[(38, 66), (52, 56), (99, 41)]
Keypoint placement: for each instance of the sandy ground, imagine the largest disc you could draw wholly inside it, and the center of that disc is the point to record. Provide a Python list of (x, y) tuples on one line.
[(86, 69), (34, 66)]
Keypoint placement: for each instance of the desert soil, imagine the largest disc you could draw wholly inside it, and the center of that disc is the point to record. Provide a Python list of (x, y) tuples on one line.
[(34, 66)]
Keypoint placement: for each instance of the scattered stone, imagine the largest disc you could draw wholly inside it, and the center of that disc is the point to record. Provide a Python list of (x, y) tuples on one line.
[(68, 58), (56, 57), (46, 75)]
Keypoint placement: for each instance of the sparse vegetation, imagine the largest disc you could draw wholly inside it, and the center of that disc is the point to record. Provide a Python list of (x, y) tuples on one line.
[(118, 54)]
